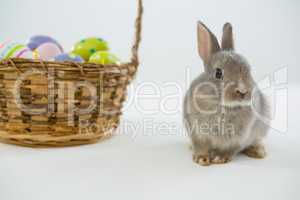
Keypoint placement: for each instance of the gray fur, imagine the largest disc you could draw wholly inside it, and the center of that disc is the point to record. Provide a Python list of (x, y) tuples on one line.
[(239, 126)]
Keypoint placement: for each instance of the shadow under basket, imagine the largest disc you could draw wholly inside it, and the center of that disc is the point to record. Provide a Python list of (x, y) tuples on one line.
[(53, 104)]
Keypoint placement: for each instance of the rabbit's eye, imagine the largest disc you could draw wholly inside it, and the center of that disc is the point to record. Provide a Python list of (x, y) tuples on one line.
[(219, 73)]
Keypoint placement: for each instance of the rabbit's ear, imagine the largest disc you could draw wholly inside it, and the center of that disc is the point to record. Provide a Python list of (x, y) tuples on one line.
[(227, 39), (207, 43)]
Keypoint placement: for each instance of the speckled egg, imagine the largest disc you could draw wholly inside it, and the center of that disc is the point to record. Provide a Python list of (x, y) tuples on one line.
[(103, 57), (86, 47)]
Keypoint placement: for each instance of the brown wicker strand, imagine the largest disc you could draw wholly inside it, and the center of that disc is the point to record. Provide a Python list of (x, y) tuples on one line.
[(79, 67), (138, 32), (43, 65), (10, 61)]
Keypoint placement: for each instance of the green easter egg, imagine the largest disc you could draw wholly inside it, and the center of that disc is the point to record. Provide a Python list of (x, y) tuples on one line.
[(85, 48), (103, 57)]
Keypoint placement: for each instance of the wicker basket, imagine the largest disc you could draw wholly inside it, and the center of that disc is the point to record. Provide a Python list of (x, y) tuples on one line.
[(52, 104)]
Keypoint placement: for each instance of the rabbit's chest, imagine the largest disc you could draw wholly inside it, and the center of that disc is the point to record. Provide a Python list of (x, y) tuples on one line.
[(229, 122), (238, 120)]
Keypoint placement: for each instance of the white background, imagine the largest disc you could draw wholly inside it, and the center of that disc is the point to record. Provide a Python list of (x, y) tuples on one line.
[(147, 163)]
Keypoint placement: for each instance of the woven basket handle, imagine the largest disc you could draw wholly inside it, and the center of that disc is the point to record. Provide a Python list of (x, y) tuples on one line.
[(137, 38)]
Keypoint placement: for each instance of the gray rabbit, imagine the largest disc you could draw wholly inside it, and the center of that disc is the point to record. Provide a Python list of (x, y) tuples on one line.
[(224, 111)]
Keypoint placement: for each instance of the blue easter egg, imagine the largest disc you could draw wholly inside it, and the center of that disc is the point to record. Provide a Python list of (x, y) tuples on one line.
[(69, 57)]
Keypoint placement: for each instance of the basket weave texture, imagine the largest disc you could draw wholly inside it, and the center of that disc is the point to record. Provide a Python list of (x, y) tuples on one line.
[(53, 104)]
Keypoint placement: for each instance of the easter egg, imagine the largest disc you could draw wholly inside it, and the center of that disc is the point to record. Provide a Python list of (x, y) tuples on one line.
[(85, 48), (38, 40), (103, 57), (3, 44), (69, 57), (24, 53), (48, 51), (15, 50)]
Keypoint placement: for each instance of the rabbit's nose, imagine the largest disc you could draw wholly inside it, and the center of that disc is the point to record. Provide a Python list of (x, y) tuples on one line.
[(241, 89), (241, 93)]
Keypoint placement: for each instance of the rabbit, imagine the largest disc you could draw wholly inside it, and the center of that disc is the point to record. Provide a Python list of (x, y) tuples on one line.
[(224, 111)]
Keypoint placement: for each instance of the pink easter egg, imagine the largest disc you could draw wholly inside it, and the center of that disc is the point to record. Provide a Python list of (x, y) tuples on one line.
[(48, 51), (4, 43)]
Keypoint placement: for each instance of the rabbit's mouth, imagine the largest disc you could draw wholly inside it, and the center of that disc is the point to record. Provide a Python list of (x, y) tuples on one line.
[(237, 96), (237, 99), (241, 94)]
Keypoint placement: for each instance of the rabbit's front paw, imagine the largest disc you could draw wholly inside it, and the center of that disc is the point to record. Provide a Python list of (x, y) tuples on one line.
[(255, 151), (202, 160), (221, 159)]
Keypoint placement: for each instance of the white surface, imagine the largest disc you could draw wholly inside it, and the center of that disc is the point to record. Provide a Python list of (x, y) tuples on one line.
[(150, 164)]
